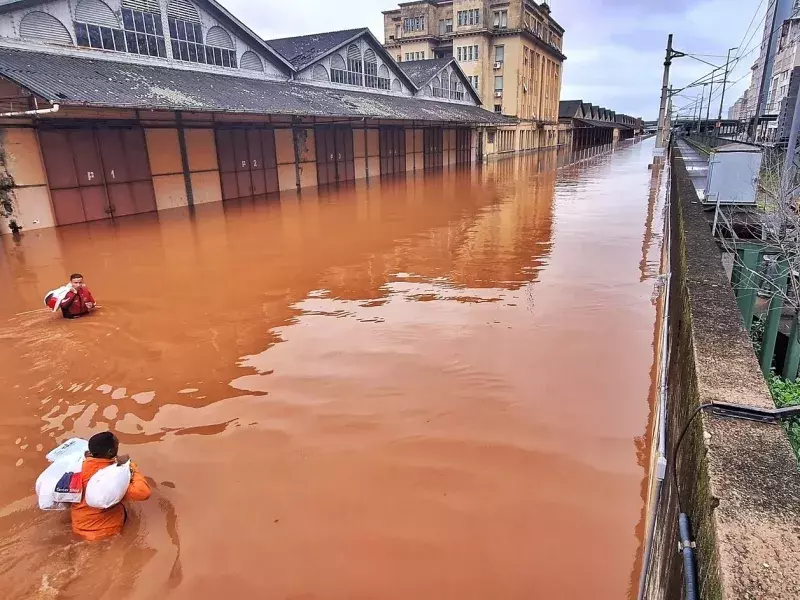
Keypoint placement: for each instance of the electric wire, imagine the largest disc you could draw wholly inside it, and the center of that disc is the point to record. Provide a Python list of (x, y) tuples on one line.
[(675, 452), (746, 31)]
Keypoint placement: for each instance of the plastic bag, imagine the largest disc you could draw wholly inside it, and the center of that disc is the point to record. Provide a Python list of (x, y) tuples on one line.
[(68, 448), (60, 484), (108, 486)]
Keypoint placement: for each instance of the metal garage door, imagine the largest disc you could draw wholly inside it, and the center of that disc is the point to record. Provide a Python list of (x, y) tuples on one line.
[(247, 165), (433, 139), (463, 146), (393, 150), (97, 173), (335, 158)]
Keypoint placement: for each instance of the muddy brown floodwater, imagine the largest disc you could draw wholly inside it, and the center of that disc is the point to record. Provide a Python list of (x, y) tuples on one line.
[(429, 388)]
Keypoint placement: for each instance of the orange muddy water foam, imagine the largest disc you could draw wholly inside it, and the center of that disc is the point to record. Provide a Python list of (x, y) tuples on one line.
[(435, 387)]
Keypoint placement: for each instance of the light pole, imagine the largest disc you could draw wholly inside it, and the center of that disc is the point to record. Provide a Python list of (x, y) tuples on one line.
[(725, 81)]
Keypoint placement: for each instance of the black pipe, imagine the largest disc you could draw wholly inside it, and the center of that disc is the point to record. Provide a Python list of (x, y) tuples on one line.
[(687, 549)]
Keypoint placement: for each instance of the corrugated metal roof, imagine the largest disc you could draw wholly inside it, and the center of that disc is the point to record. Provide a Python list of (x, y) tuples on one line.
[(303, 50), (71, 80), (422, 71), (568, 109)]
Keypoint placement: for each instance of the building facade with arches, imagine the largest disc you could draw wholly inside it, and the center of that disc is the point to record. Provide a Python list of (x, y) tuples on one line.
[(117, 107)]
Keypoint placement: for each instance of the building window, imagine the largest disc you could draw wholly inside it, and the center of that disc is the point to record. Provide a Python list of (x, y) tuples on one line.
[(499, 54), (438, 90), (361, 71), (448, 26), (501, 19), (498, 83), (142, 34), (372, 77), (399, 58), (456, 89), (414, 24), (467, 53), (498, 108), (187, 45), (469, 17), (473, 80)]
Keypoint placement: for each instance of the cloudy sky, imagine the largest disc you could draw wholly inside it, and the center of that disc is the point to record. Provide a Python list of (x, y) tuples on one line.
[(614, 48)]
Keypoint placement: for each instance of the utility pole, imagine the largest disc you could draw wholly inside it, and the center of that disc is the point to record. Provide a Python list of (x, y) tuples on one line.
[(662, 111), (700, 112), (664, 91), (725, 81), (710, 93), (661, 137), (669, 109)]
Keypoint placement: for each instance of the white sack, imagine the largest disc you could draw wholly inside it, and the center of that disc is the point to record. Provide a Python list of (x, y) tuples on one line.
[(46, 483), (68, 448), (108, 486)]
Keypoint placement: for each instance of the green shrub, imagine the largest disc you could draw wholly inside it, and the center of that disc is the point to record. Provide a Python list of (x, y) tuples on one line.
[(787, 393)]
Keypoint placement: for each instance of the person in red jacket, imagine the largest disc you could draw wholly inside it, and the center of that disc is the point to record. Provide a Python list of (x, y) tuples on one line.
[(79, 300), (95, 523)]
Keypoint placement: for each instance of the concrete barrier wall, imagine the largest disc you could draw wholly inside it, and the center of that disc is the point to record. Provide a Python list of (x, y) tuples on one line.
[(739, 480)]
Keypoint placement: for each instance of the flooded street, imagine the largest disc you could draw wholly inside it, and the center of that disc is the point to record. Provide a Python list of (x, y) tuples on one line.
[(434, 387)]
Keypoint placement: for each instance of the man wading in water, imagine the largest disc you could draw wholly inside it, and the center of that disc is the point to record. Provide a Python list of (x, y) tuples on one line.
[(96, 523), (74, 299)]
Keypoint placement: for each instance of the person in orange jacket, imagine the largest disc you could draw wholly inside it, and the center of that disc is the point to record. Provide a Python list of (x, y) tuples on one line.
[(95, 523)]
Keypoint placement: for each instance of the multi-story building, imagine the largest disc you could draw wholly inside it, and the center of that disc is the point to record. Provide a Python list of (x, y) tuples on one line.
[(778, 11), (511, 53), (785, 79), (738, 112)]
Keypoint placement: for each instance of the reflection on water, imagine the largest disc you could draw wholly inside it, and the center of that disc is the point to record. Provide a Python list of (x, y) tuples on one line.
[(411, 389)]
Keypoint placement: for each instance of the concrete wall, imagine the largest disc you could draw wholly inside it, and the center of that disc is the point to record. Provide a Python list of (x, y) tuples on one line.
[(30, 197), (201, 152), (166, 167), (739, 480)]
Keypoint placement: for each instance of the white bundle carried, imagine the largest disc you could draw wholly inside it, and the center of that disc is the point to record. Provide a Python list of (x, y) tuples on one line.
[(108, 486), (71, 446), (60, 484)]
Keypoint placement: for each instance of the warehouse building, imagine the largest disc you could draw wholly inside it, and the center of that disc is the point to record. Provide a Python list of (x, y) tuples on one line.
[(116, 107)]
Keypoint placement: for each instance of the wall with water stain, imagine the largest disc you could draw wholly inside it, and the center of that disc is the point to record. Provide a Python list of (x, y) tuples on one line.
[(25, 196), (182, 161), (738, 480)]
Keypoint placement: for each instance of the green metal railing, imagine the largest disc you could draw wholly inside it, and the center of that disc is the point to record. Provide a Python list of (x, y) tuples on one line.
[(747, 279)]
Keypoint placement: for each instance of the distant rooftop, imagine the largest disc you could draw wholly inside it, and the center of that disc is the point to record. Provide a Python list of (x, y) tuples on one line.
[(421, 72), (303, 50)]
